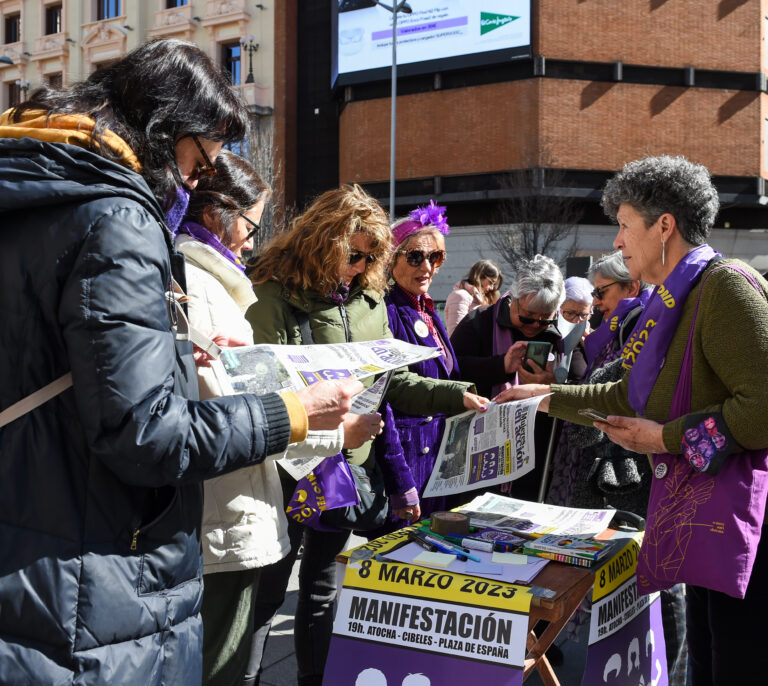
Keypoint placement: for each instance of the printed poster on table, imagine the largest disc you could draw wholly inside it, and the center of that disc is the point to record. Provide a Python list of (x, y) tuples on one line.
[(626, 637), (403, 625), (482, 449)]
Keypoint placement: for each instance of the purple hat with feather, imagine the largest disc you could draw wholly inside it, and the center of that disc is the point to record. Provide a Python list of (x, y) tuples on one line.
[(421, 218)]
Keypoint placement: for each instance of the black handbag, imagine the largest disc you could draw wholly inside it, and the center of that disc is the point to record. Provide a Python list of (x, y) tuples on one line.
[(372, 510)]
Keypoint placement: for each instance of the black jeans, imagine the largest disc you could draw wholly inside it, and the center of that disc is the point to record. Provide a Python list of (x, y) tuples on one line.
[(726, 636), (314, 610)]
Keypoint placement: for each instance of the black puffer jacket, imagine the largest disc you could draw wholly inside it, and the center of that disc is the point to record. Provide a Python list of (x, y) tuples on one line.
[(100, 488)]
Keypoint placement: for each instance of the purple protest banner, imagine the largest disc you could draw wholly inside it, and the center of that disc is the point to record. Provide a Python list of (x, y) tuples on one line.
[(626, 635), (403, 625)]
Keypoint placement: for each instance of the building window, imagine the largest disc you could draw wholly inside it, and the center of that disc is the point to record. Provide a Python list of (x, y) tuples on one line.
[(52, 19), (14, 94), (107, 9), (55, 81), (232, 62), (13, 28), (170, 4)]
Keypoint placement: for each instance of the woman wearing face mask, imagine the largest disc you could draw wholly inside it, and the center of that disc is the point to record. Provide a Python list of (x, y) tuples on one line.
[(419, 252), (100, 566), (330, 268)]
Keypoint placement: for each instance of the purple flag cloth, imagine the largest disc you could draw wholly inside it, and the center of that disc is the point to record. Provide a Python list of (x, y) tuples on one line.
[(609, 328), (199, 232), (176, 212), (330, 485), (646, 350)]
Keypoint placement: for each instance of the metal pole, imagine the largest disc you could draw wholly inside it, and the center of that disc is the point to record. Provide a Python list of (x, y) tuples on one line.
[(393, 119)]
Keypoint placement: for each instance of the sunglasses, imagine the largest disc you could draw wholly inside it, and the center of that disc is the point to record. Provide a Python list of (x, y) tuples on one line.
[(256, 227), (415, 257), (356, 256), (204, 169), (532, 320), (598, 292)]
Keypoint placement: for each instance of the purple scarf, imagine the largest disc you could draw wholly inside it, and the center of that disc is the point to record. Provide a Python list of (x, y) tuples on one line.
[(608, 330), (176, 212), (200, 233), (502, 340), (645, 351)]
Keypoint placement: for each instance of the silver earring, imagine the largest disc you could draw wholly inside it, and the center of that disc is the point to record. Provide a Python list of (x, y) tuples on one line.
[(663, 244)]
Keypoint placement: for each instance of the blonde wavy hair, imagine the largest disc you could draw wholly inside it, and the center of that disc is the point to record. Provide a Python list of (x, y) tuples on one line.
[(309, 255)]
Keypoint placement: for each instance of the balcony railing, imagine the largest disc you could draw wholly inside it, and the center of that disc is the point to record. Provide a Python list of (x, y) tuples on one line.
[(218, 11), (51, 45), (173, 20)]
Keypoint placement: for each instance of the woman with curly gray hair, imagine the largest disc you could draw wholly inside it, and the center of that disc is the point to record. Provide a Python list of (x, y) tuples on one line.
[(696, 403), (490, 342)]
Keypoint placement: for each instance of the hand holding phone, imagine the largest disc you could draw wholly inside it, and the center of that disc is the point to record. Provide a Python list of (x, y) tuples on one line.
[(594, 415), (538, 351)]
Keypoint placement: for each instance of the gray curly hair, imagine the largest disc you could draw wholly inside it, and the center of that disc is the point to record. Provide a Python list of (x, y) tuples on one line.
[(542, 279), (655, 185)]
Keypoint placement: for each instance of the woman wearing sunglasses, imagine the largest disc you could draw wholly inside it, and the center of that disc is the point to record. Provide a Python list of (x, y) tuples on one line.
[(490, 344), (329, 271), (419, 252)]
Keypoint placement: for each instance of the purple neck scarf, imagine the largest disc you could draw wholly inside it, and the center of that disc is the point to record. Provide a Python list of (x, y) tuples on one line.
[(176, 212), (609, 328), (645, 351), (200, 233), (502, 340)]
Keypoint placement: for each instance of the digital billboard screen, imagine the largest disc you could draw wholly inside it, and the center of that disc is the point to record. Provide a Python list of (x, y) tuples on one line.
[(433, 37)]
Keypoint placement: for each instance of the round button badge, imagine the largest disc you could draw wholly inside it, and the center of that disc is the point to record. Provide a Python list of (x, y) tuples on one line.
[(421, 329), (661, 470)]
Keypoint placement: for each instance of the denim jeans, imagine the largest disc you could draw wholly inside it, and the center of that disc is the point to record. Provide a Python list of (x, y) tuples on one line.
[(314, 610)]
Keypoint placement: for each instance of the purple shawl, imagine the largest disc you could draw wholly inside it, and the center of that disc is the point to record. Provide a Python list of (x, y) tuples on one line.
[(608, 330), (645, 351)]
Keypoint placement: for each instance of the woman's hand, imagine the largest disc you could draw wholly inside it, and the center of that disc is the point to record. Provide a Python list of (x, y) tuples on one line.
[(203, 359), (475, 402), (634, 433), (537, 376), (326, 402), (525, 391), (513, 358), (409, 513), (359, 428)]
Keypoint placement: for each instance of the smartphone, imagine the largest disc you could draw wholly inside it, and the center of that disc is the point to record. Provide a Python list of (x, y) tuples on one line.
[(593, 414), (538, 351)]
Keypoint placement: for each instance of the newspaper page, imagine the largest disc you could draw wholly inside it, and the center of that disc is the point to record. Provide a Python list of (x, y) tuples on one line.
[(266, 368), (364, 403), (535, 519), (481, 449)]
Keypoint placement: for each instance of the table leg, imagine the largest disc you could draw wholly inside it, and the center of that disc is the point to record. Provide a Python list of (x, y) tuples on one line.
[(537, 646)]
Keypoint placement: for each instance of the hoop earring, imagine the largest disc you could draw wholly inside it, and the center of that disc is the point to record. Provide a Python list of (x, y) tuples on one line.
[(663, 245)]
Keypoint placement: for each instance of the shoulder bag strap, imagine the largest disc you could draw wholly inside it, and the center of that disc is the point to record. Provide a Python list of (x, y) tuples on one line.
[(34, 400)]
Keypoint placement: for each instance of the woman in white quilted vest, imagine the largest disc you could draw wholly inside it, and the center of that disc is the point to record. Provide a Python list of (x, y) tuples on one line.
[(244, 526)]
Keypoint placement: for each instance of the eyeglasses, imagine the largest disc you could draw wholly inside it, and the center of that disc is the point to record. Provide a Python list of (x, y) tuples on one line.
[(532, 320), (254, 230), (578, 316), (356, 256), (201, 170), (598, 292), (415, 257)]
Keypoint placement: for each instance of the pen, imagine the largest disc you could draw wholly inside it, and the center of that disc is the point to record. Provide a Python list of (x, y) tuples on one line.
[(418, 540), (450, 548)]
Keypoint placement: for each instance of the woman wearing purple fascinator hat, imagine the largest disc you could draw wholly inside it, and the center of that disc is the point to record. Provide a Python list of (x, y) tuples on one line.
[(419, 251)]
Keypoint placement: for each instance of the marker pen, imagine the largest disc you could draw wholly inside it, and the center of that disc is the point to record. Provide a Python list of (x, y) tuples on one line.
[(450, 548)]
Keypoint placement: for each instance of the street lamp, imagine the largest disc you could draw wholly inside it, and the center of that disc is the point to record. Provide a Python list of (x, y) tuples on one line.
[(405, 8), (23, 85), (251, 47)]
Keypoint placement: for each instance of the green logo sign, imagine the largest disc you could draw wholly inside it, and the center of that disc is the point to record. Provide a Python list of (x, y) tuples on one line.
[(490, 21)]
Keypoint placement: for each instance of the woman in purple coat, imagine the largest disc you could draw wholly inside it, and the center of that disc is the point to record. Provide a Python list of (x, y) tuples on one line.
[(419, 252)]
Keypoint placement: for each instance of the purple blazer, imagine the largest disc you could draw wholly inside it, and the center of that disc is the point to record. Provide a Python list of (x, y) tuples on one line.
[(419, 436)]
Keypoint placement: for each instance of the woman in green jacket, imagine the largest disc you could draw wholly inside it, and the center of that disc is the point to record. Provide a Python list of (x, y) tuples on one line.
[(331, 267)]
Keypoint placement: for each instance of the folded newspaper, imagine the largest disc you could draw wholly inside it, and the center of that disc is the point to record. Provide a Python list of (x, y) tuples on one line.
[(481, 449), (268, 368)]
